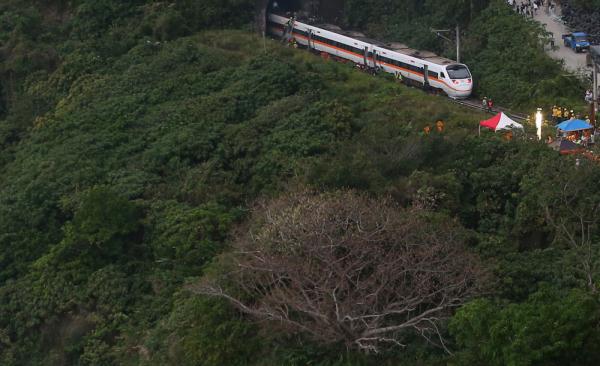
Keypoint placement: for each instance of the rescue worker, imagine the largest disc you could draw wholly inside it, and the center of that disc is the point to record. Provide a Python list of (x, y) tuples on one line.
[(427, 130), (587, 137), (439, 125), (484, 103), (565, 114), (490, 105), (589, 97), (571, 115), (554, 114), (588, 120)]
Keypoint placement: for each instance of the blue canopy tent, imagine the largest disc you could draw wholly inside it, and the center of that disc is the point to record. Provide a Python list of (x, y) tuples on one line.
[(573, 125)]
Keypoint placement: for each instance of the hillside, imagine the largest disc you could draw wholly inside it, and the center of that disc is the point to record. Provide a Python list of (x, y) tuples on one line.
[(142, 145)]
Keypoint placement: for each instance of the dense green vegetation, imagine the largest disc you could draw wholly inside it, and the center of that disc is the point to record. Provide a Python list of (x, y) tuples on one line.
[(135, 137)]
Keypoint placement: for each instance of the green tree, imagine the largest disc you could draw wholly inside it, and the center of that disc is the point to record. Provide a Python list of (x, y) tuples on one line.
[(550, 328)]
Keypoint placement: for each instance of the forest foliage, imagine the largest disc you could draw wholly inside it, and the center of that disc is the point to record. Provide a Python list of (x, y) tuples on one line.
[(135, 139)]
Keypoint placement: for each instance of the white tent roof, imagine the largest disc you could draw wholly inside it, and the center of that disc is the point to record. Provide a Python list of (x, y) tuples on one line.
[(500, 122)]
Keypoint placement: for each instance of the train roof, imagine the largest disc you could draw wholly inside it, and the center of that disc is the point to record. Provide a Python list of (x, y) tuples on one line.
[(393, 46), (423, 55)]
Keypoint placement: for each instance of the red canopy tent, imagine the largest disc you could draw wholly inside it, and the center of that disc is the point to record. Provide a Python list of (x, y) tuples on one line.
[(499, 122)]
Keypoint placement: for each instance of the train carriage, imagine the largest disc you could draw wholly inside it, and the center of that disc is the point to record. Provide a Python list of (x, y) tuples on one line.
[(424, 68)]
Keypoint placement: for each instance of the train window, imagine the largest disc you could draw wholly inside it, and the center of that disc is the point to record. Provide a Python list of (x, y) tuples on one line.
[(458, 72), (442, 75)]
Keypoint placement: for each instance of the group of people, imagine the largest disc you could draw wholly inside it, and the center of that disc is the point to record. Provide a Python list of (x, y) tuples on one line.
[(487, 104), (439, 126), (560, 114), (584, 137), (530, 8)]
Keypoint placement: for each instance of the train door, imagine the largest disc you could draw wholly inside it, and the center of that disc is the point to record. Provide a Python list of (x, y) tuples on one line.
[(370, 50), (443, 79)]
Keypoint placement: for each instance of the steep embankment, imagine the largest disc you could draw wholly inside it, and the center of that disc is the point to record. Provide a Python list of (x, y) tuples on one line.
[(130, 162), (133, 179)]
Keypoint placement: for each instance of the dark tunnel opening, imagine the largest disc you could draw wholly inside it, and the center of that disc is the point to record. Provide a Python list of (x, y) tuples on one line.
[(285, 6), (325, 11)]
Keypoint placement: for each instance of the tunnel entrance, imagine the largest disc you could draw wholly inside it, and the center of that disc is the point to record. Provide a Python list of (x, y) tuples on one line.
[(287, 6), (322, 11)]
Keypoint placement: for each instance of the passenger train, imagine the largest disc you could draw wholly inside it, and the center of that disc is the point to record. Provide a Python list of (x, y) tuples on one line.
[(424, 68)]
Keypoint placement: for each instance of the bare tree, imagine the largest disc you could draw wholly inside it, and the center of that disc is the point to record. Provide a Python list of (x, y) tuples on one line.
[(343, 267)]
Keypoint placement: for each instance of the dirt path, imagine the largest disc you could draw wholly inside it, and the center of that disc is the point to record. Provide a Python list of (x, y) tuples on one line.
[(574, 62)]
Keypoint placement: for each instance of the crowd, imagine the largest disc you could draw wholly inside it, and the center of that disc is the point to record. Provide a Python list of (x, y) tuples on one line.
[(561, 114), (529, 8), (585, 138)]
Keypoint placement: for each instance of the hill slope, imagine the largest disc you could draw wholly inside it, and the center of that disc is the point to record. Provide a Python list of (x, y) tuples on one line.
[(129, 162)]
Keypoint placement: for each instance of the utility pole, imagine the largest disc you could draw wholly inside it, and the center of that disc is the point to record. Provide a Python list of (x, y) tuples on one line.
[(438, 32), (595, 54), (595, 94), (457, 44)]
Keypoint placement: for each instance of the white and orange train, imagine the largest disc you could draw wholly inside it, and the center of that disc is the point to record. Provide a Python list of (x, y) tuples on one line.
[(424, 68)]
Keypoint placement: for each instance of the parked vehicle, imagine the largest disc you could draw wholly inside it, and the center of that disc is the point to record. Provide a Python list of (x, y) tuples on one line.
[(577, 41)]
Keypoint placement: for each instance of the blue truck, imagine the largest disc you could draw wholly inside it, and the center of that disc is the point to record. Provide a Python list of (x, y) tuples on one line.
[(578, 41)]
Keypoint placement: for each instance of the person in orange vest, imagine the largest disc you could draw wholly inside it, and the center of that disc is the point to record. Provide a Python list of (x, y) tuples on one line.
[(427, 130), (556, 114), (439, 125)]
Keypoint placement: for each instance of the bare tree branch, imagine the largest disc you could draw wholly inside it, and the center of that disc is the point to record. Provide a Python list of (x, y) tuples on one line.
[(347, 268)]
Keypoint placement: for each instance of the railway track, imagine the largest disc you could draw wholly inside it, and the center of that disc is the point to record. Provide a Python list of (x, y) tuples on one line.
[(468, 102), (476, 104)]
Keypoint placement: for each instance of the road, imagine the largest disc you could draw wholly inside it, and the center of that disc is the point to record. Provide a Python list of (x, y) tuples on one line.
[(574, 62)]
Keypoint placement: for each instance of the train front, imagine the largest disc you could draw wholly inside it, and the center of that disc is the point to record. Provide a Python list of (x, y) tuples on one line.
[(460, 81)]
